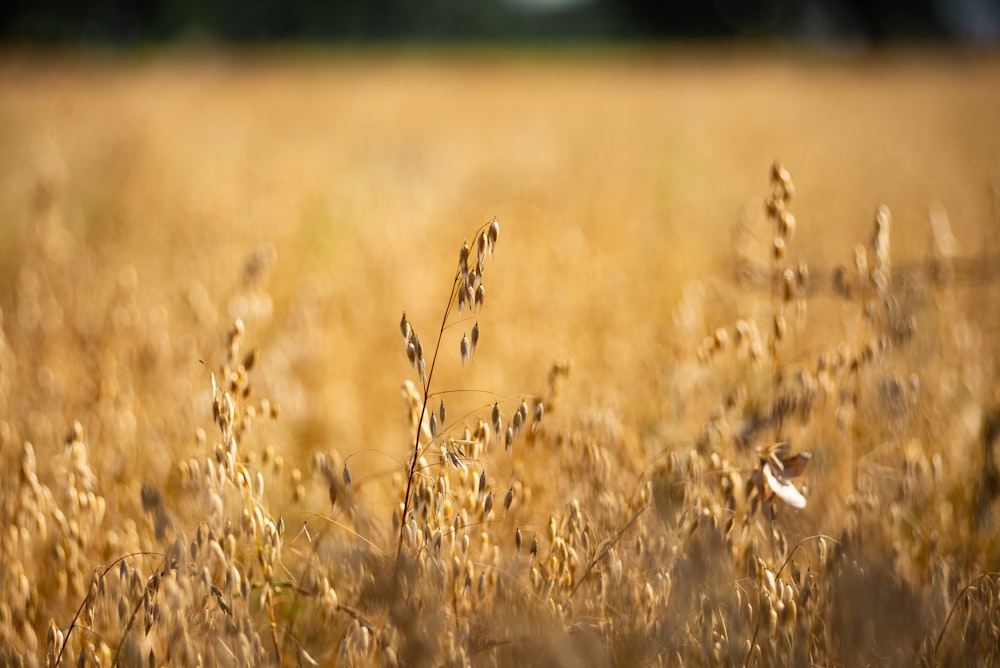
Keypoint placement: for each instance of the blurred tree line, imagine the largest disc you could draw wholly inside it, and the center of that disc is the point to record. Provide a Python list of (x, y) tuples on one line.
[(132, 21)]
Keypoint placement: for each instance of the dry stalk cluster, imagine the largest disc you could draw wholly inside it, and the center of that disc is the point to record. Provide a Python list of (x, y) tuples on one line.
[(819, 485)]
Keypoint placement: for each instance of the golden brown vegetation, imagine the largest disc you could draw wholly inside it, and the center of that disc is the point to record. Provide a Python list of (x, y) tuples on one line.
[(704, 410)]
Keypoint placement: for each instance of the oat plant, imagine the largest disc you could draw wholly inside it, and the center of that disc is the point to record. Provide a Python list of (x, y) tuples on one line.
[(467, 292)]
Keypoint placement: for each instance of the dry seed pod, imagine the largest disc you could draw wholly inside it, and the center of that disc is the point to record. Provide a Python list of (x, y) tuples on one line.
[(475, 338), (481, 588), (404, 326), (861, 262), (786, 224), (347, 478), (480, 296), (495, 415), (442, 412), (780, 327), (507, 500), (539, 412), (481, 243), (779, 174), (518, 539), (880, 242), (463, 258), (434, 425), (778, 249), (464, 348), (789, 286), (493, 232), (333, 493), (487, 506)]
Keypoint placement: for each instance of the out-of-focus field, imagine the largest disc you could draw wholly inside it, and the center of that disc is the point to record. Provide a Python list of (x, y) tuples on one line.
[(148, 201)]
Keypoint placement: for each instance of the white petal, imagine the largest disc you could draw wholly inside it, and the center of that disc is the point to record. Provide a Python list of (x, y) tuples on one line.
[(783, 489)]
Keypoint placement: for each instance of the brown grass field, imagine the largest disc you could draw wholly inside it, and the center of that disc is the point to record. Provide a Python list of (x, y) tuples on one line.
[(207, 456)]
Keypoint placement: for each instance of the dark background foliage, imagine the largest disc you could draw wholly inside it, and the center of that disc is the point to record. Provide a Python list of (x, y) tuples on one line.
[(130, 22)]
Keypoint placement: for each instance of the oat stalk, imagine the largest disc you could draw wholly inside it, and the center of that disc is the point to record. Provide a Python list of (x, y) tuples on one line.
[(79, 610), (954, 606), (485, 235)]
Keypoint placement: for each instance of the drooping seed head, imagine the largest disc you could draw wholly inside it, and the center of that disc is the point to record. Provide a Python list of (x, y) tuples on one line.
[(465, 349), (481, 244), (789, 286), (463, 259), (475, 338), (786, 224), (493, 232), (487, 505), (480, 296), (778, 249)]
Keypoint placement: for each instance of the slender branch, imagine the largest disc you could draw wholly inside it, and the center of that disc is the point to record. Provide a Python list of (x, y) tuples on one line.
[(79, 611), (452, 296), (604, 549), (965, 590), (420, 422)]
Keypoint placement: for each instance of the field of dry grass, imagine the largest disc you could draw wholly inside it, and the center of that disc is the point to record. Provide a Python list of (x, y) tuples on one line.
[(208, 456)]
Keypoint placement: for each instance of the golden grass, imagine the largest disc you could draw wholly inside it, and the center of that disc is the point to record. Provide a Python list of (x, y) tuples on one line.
[(204, 264)]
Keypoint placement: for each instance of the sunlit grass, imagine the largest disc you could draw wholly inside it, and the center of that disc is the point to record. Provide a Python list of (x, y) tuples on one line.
[(149, 203)]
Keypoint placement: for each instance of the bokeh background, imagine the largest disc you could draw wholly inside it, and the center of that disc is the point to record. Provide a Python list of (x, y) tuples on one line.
[(313, 168)]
